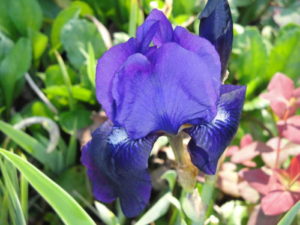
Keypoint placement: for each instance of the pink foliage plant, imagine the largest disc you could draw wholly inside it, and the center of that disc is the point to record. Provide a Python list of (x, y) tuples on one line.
[(276, 185)]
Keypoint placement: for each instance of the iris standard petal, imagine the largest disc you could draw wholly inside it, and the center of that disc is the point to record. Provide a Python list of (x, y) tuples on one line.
[(210, 140), (107, 66), (160, 33), (173, 87), (117, 168), (217, 27), (200, 46)]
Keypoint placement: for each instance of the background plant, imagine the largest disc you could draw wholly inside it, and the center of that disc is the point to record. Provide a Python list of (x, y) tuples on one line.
[(48, 52)]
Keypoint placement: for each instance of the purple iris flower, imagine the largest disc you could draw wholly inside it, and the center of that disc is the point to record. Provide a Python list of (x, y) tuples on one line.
[(157, 84)]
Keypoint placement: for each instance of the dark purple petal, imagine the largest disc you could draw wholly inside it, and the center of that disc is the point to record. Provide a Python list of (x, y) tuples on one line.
[(173, 87), (217, 27), (156, 28), (107, 66), (210, 140), (117, 168)]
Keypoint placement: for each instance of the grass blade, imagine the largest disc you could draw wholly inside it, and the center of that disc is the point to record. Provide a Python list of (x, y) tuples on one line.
[(66, 207), (290, 215)]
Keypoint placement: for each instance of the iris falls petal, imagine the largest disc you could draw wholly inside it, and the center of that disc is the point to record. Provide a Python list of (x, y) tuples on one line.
[(209, 140), (117, 167)]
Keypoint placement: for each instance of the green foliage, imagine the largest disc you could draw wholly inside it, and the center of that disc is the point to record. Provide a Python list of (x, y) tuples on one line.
[(285, 56), (76, 36), (249, 58), (58, 44), (66, 207), (290, 216), (13, 67)]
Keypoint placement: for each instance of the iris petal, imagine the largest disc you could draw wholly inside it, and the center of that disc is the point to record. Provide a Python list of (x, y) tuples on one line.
[(161, 34), (200, 46), (107, 66), (210, 140), (165, 91), (217, 27), (117, 167)]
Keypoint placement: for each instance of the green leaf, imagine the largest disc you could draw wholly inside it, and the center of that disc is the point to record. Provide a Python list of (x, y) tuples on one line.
[(50, 9), (184, 7), (256, 103), (39, 41), (290, 215), (67, 79), (26, 15), (133, 17), (107, 216), (91, 64), (170, 176), (77, 119), (6, 25), (285, 55), (5, 46), (242, 3), (76, 36), (85, 9), (207, 194), (254, 11), (288, 15), (65, 206), (159, 209), (249, 58), (79, 185), (234, 213), (30, 145), (250, 55), (13, 68), (53, 76), (78, 93), (62, 18), (11, 189), (192, 206)]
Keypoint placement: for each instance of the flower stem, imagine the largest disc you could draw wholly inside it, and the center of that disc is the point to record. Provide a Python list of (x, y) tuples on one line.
[(278, 148), (187, 172), (207, 195)]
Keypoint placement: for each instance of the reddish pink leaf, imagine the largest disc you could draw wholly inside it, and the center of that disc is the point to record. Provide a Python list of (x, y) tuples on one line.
[(246, 140), (228, 182), (257, 217), (287, 149), (282, 85), (228, 166), (294, 121), (277, 202), (282, 95), (278, 103), (249, 163), (294, 168), (249, 152), (296, 196), (290, 129), (247, 192), (228, 179), (257, 179), (231, 150)]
